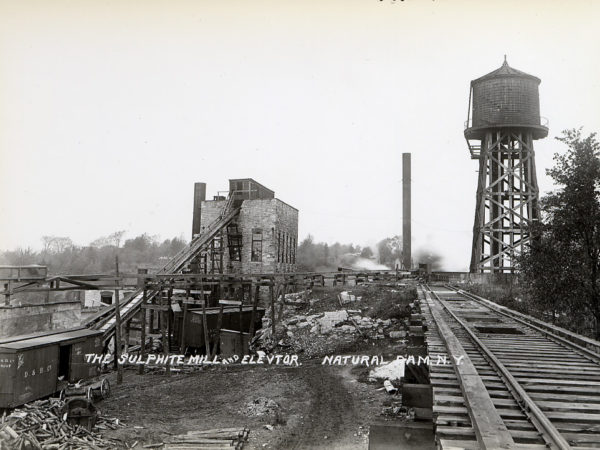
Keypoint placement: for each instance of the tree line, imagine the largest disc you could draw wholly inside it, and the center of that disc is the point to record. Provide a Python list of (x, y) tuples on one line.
[(62, 256)]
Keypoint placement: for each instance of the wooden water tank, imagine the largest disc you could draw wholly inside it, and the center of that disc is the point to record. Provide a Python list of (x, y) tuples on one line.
[(505, 98)]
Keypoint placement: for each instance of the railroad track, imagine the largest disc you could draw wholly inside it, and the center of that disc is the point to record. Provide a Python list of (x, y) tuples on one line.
[(520, 383)]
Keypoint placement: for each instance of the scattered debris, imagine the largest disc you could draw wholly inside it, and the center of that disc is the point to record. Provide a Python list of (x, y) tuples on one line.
[(41, 425), (261, 406), (345, 297), (389, 387), (391, 371)]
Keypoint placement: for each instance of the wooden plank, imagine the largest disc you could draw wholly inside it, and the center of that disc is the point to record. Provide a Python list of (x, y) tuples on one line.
[(230, 302), (458, 399), (469, 432), (452, 444), (155, 307), (192, 301), (502, 413)]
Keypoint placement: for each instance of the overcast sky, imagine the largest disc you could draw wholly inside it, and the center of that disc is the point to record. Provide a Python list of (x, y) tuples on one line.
[(111, 110)]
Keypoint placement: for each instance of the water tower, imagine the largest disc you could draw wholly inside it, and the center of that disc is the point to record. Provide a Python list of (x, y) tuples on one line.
[(502, 123)]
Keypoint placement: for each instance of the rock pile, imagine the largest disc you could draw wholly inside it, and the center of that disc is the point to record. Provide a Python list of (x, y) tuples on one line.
[(300, 332), (261, 406)]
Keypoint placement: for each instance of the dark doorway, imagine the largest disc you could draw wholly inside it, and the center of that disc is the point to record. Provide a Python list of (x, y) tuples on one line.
[(64, 358)]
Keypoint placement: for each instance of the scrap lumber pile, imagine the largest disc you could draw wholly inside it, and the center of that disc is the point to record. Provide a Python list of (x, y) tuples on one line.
[(215, 439), (41, 425)]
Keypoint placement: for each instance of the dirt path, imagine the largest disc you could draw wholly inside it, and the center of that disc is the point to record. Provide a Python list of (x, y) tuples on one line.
[(333, 418), (319, 406)]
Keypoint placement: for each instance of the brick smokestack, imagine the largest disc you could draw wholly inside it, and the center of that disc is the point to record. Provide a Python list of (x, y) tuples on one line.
[(406, 251), (199, 197)]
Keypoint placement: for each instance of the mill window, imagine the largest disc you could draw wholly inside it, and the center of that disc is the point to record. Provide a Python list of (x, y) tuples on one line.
[(257, 239)]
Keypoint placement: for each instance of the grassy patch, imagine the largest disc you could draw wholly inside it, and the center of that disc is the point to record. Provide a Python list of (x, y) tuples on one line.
[(386, 304)]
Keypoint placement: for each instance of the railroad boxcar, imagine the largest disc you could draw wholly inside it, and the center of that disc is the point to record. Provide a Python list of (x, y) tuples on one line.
[(32, 367)]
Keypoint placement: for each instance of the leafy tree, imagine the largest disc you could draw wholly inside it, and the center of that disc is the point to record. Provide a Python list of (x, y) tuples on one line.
[(390, 250), (561, 268), (366, 253), (55, 244)]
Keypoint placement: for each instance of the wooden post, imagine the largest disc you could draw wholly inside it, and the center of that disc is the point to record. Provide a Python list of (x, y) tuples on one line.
[(151, 327), (118, 325), (205, 328), (161, 319), (254, 305), (143, 339), (185, 313), (218, 333), (205, 320), (127, 333), (241, 318), (165, 331), (272, 294)]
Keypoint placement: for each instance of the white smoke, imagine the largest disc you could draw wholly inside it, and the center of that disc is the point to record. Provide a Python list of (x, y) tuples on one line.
[(368, 264)]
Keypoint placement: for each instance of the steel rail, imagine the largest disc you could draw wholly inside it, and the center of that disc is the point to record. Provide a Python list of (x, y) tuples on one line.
[(523, 319), (548, 431)]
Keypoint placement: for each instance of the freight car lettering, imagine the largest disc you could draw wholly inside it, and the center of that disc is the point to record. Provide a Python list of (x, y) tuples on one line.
[(39, 372), (21, 361), (6, 363)]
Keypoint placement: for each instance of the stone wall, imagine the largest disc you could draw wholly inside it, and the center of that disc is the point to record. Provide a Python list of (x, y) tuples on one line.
[(277, 223)]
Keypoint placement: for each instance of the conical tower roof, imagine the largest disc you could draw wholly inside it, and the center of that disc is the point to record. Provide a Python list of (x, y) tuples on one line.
[(506, 71)]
